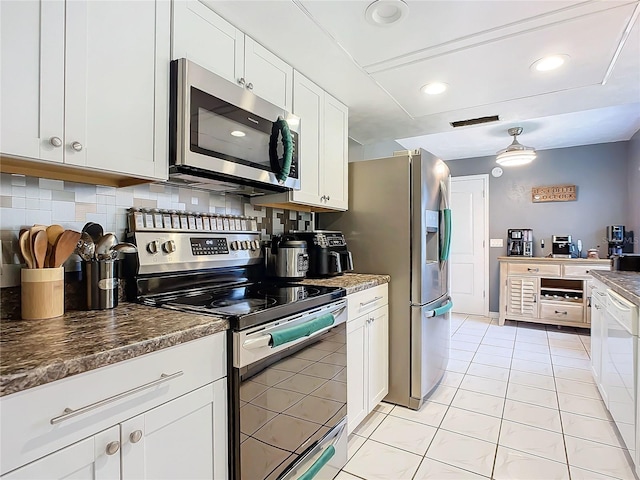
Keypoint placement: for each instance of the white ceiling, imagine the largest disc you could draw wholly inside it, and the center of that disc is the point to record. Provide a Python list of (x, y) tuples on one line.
[(482, 49)]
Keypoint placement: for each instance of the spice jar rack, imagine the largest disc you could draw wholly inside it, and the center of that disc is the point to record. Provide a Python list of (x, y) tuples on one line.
[(142, 219)]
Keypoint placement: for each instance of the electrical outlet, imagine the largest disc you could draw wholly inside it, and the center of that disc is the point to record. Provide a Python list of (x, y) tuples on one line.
[(496, 242)]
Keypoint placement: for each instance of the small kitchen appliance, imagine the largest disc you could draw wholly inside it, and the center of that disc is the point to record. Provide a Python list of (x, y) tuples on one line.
[(561, 246), (520, 242), (224, 137), (399, 223), (627, 262), (286, 258), (328, 252), (283, 338), (615, 238)]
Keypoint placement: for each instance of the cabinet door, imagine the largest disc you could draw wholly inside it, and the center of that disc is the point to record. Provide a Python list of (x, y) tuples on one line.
[(307, 104), (32, 78), (357, 393), (110, 89), (378, 340), (184, 438), (335, 153), (522, 296), (597, 337), (202, 36), (89, 459), (267, 75)]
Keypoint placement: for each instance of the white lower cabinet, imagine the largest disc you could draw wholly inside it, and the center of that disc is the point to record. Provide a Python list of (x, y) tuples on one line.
[(88, 459), (367, 353), (159, 416), (598, 334)]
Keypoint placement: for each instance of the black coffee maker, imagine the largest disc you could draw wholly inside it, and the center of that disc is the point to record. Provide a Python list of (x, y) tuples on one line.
[(615, 238), (520, 242), (328, 252)]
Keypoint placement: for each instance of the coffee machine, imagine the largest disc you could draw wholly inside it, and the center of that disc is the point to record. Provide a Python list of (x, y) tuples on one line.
[(561, 246), (615, 238), (520, 242)]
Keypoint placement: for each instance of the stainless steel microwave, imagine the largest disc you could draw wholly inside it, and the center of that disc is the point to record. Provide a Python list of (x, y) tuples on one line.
[(221, 134)]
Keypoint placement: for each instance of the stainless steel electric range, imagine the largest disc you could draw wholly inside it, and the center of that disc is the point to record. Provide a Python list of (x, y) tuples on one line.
[(287, 348)]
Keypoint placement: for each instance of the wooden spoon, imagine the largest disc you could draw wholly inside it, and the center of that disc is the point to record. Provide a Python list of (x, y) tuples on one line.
[(53, 232), (64, 247), (25, 248), (39, 248)]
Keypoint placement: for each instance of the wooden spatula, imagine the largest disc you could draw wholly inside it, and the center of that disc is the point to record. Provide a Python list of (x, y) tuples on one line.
[(53, 232), (25, 248), (39, 247), (64, 247)]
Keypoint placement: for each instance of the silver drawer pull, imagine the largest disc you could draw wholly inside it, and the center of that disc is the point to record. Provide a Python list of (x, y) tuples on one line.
[(370, 302), (533, 269), (70, 413), (560, 313)]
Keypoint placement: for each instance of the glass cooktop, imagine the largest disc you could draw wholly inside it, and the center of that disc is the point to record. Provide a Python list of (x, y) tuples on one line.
[(253, 304)]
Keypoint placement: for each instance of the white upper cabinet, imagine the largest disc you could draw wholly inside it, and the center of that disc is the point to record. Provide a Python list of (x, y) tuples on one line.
[(335, 156), (266, 75), (32, 79), (323, 149), (88, 84), (202, 36)]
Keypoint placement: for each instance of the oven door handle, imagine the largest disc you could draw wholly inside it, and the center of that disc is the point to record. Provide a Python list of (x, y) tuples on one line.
[(314, 469), (309, 329)]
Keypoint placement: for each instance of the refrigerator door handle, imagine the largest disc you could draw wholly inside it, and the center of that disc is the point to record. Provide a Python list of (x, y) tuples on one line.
[(440, 310)]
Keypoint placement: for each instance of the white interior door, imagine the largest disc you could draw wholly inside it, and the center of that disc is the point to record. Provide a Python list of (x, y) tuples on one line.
[(469, 244)]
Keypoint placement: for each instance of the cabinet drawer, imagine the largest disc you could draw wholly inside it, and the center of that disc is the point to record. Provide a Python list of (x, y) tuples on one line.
[(367, 300), (582, 270), (534, 269), (567, 313), (137, 385)]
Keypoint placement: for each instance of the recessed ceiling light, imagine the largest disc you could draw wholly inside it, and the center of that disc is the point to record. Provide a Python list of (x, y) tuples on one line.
[(434, 88), (550, 62), (386, 12), (238, 133)]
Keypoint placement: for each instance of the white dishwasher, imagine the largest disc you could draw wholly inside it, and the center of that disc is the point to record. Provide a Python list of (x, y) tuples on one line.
[(620, 367)]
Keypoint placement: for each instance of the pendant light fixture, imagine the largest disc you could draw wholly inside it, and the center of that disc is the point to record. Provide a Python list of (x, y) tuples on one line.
[(516, 153)]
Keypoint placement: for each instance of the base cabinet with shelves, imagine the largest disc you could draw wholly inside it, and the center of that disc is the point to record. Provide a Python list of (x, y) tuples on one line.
[(121, 425), (547, 290), (367, 352)]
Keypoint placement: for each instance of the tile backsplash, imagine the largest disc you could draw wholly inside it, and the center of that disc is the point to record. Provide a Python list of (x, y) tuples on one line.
[(25, 201)]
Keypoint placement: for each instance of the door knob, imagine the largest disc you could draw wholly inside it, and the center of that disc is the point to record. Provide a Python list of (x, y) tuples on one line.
[(55, 141), (249, 86), (135, 436), (241, 81), (77, 146), (113, 447)]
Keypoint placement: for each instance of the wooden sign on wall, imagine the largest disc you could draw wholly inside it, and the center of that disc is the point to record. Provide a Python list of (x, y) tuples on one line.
[(556, 193)]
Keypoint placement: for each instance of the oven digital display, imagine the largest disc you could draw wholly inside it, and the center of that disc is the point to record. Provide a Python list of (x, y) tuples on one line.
[(209, 246)]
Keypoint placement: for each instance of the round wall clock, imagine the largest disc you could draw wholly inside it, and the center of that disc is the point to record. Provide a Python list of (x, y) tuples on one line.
[(496, 172)]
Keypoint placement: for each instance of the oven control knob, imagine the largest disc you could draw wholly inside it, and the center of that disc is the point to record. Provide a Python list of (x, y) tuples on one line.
[(152, 247), (234, 245), (169, 246), (245, 245), (256, 245)]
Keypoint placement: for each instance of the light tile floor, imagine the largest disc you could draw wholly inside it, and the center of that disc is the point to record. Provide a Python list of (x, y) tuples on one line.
[(517, 402)]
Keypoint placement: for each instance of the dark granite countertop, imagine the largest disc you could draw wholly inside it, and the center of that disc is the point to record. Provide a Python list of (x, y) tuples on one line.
[(352, 282), (35, 352), (627, 284)]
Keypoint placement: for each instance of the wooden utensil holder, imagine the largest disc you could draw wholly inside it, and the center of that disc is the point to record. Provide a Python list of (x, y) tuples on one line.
[(42, 293)]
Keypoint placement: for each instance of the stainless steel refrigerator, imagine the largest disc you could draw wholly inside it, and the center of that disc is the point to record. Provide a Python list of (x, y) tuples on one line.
[(399, 223)]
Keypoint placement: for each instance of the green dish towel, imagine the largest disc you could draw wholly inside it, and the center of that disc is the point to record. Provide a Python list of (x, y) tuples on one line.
[(287, 335), (318, 464)]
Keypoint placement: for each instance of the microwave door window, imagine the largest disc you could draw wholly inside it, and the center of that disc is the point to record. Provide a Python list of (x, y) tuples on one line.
[(231, 140)]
